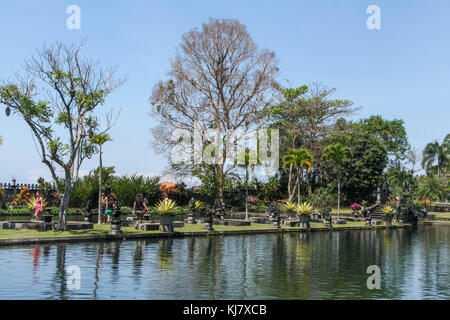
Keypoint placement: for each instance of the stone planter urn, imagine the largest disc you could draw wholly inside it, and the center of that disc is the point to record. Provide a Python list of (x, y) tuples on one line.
[(387, 218), (304, 220), (290, 213), (47, 218), (166, 223)]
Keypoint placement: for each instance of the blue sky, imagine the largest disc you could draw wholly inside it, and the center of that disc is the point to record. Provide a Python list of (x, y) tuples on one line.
[(401, 71)]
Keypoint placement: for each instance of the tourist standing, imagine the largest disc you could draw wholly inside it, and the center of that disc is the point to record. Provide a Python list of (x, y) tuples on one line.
[(38, 206), (104, 201), (139, 206), (110, 206)]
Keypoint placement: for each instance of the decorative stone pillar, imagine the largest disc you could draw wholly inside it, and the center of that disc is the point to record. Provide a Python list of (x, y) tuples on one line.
[(191, 206), (116, 222), (47, 219), (274, 213)]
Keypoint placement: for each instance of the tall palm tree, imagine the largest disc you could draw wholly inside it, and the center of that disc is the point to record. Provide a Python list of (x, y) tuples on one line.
[(337, 154), (99, 140), (439, 153), (300, 158), (243, 160)]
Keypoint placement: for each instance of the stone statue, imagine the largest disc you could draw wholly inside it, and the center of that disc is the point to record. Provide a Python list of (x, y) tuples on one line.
[(219, 209), (274, 214), (209, 218), (191, 208), (378, 195), (88, 210)]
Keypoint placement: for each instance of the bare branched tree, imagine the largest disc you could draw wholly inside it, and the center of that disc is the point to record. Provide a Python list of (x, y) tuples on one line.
[(57, 97), (219, 79)]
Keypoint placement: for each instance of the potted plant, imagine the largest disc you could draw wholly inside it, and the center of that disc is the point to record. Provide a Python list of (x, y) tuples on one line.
[(253, 201), (388, 213), (166, 209), (356, 209), (304, 210), (290, 208)]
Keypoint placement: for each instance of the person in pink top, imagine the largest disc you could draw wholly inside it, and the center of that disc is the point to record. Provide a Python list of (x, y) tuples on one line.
[(38, 207)]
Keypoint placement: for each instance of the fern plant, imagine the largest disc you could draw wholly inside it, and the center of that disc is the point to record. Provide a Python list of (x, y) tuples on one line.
[(304, 208), (166, 207), (198, 205), (290, 206), (388, 210)]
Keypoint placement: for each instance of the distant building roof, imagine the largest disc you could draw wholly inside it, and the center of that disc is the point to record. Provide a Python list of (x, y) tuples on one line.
[(167, 186)]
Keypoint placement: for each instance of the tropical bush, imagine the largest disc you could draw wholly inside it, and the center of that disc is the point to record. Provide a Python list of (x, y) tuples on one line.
[(323, 199), (31, 204), (270, 190), (22, 197), (2, 197), (434, 188), (128, 187)]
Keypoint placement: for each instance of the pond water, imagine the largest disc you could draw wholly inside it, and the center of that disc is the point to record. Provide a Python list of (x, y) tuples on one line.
[(414, 264)]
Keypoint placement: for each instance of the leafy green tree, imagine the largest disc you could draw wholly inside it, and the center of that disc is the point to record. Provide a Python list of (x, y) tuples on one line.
[(438, 154), (299, 158), (305, 117), (337, 154), (57, 98), (391, 132), (363, 171), (100, 140)]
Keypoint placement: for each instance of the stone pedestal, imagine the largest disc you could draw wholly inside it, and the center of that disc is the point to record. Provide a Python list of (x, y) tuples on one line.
[(166, 223), (116, 227), (47, 218), (327, 223), (191, 219), (208, 226)]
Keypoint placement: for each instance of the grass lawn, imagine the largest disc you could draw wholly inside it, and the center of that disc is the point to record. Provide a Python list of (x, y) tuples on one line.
[(104, 229), (439, 215)]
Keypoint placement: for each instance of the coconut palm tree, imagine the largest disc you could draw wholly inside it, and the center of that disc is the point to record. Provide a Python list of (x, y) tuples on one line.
[(436, 153), (100, 139), (337, 154), (243, 160), (299, 158)]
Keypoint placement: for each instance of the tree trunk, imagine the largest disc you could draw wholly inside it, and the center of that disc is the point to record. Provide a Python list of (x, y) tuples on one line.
[(220, 182), (298, 186), (291, 195), (339, 197), (62, 215), (246, 192), (290, 179), (100, 188)]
